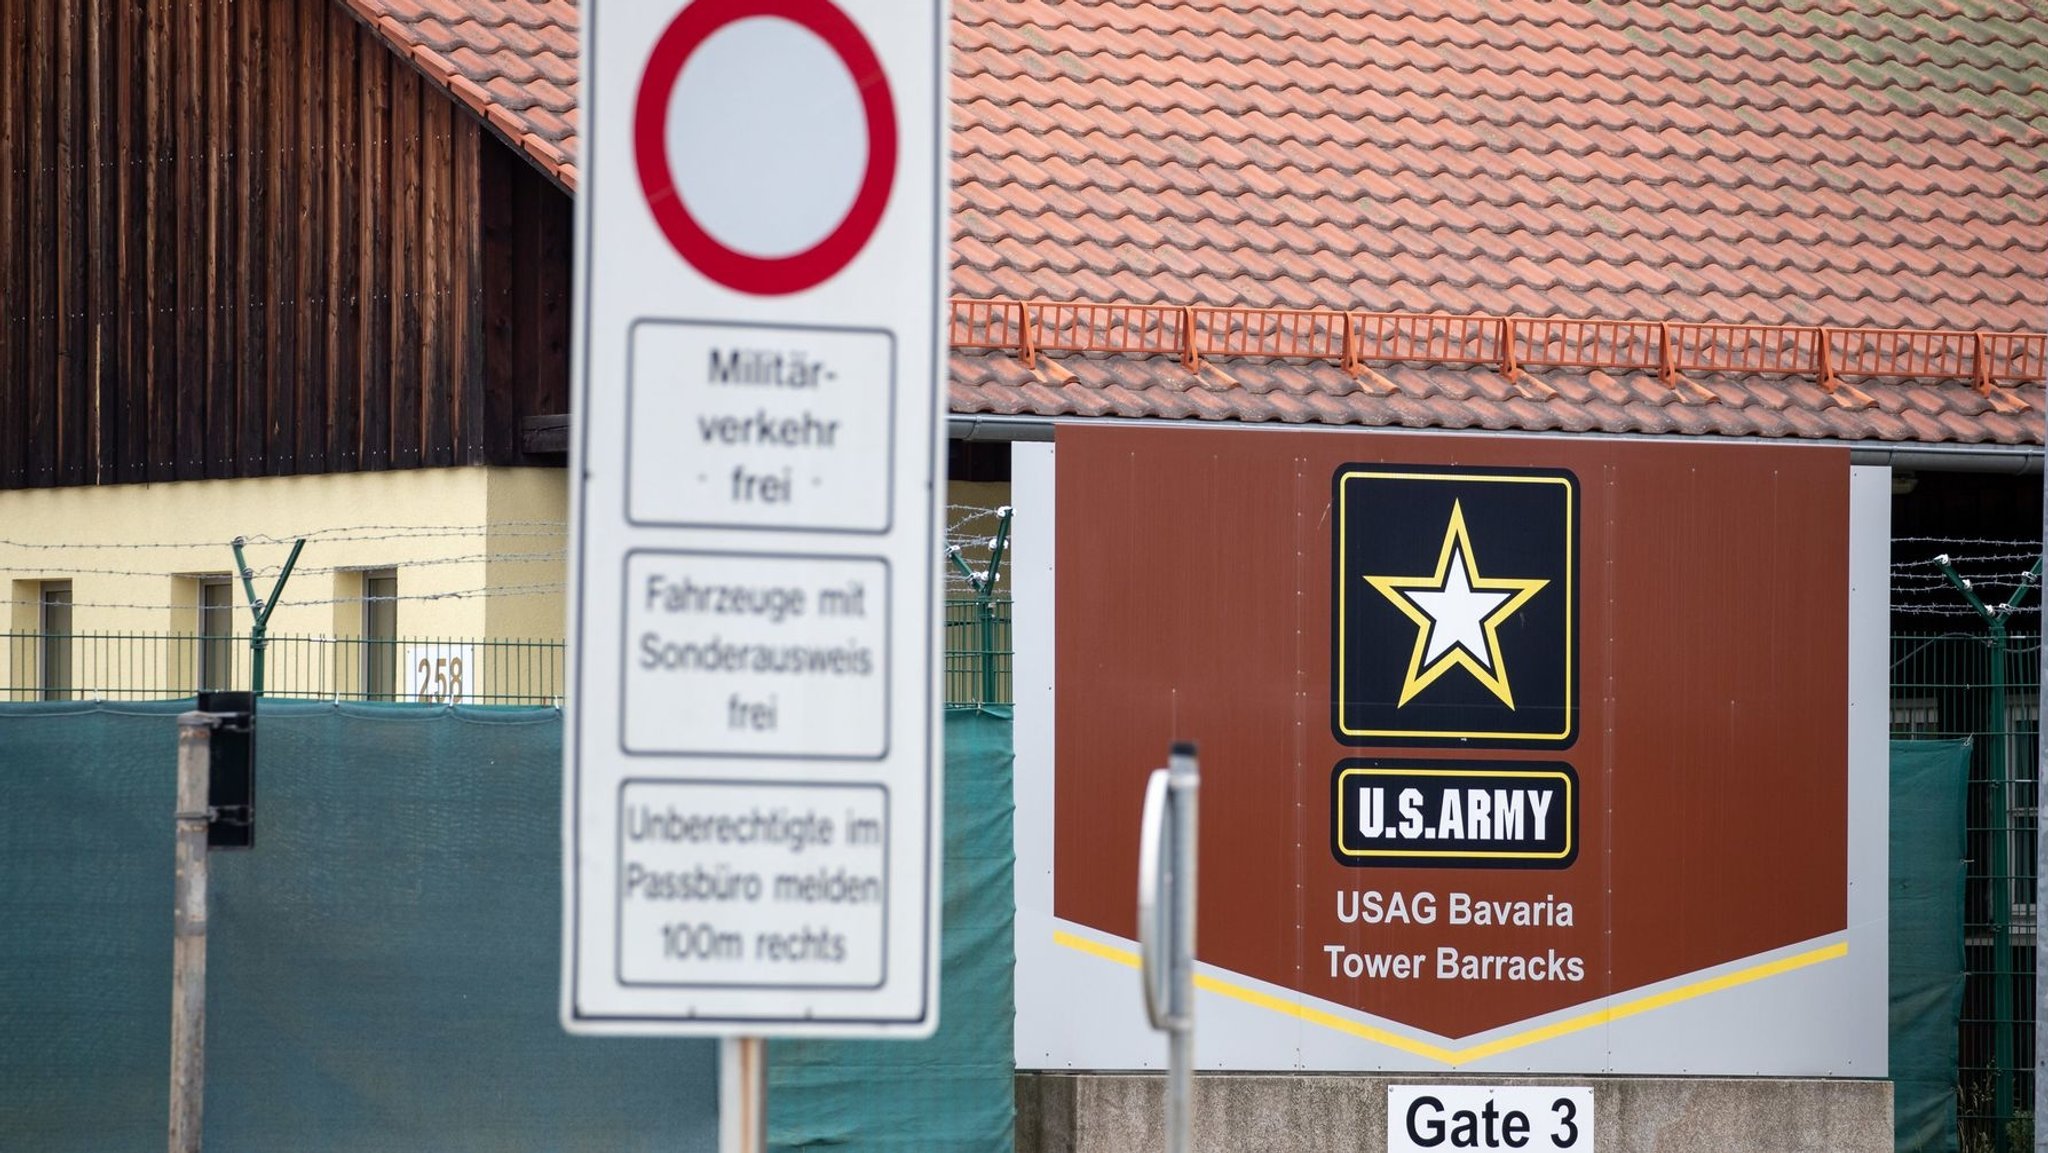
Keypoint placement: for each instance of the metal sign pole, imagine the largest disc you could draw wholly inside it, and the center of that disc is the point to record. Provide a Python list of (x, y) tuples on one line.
[(188, 956), (1183, 779), (742, 1095), (1166, 928)]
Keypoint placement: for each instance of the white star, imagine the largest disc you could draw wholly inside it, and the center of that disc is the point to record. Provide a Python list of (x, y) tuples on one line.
[(1457, 614)]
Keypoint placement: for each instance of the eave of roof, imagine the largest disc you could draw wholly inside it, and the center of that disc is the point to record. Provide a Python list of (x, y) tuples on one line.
[(511, 62)]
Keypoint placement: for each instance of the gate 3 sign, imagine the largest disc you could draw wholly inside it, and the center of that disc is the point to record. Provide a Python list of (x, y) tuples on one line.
[(1562, 754)]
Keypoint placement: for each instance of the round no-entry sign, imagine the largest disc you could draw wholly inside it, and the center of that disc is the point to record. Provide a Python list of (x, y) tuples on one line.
[(750, 153)]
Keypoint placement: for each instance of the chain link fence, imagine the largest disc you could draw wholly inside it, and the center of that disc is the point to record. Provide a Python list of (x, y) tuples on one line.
[(1987, 687)]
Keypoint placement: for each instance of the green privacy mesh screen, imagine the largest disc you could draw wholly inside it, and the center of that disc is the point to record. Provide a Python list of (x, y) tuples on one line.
[(955, 1091), (1928, 783), (384, 967)]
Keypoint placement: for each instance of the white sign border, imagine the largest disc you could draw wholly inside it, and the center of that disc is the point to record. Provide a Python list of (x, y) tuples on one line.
[(925, 1022)]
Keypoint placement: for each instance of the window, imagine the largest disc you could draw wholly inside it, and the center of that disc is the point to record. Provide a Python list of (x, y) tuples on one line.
[(54, 610), (216, 634), (1915, 717), (380, 635), (2023, 812)]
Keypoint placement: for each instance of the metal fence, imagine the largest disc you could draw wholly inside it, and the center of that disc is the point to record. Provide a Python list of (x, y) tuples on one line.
[(426, 670), (978, 652), (1971, 684), (142, 666)]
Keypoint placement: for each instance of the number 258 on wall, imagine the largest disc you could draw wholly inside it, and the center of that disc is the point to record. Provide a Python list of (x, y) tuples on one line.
[(441, 674)]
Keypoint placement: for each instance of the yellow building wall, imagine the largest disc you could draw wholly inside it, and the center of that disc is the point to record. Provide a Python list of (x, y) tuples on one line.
[(479, 554)]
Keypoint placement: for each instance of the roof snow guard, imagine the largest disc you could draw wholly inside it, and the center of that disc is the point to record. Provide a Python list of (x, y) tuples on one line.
[(1334, 366), (1510, 344)]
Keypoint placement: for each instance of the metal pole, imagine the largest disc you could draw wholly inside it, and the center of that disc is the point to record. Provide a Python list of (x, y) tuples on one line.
[(1183, 782), (2040, 870), (257, 645), (2000, 729), (260, 610), (989, 582), (742, 1095), (1167, 851), (188, 920)]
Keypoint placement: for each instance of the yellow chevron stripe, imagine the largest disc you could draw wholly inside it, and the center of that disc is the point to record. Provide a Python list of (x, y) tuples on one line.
[(1447, 1056)]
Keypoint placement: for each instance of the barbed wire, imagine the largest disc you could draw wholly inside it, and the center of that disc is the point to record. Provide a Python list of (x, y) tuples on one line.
[(294, 602), (959, 519), (365, 534), (960, 542), (1992, 569), (2009, 575), (1993, 542), (1984, 558), (275, 569), (465, 558), (496, 528), (1933, 610), (964, 514)]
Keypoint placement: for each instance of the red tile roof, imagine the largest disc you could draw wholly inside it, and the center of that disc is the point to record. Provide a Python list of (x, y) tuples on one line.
[(1783, 164)]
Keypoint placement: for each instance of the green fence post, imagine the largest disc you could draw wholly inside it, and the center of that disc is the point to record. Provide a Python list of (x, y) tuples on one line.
[(984, 585), (259, 611), (1998, 777), (986, 593)]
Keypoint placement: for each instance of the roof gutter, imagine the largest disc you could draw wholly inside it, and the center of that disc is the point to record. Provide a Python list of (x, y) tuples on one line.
[(988, 428), (2010, 460)]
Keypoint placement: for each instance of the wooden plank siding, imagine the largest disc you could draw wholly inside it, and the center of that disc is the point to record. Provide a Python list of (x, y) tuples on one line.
[(14, 233), (248, 240)]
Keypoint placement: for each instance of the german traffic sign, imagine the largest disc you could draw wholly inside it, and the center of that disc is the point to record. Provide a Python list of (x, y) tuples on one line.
[(750, 810)]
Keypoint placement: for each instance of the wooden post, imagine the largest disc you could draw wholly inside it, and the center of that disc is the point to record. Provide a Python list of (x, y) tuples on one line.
[(188, 957), (742, 1095)]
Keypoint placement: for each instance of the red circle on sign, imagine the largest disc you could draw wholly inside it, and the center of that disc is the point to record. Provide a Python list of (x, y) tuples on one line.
[(762, 275)]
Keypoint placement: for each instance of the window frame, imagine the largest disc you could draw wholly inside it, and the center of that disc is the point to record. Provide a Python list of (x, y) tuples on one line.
[(380, 680), (216, 655), (54, 671)]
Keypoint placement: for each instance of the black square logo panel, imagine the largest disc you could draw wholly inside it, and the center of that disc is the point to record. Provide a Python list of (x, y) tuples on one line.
[(1460, 814), (1455, 608)]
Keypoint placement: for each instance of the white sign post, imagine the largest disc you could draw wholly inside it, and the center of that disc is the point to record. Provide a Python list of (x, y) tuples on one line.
[(750, 818)]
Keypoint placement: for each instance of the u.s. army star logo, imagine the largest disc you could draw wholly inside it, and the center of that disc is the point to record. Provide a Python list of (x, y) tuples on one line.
[(1455, 606), (1458, 615)]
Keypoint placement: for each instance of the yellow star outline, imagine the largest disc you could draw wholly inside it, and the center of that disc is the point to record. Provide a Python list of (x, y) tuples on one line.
[(1493, 673)]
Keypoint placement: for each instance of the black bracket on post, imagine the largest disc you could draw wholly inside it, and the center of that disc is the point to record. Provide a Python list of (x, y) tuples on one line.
[(231, 791)]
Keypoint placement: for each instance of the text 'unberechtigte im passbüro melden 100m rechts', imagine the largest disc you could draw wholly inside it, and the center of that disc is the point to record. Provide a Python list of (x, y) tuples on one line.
[(723, 884)]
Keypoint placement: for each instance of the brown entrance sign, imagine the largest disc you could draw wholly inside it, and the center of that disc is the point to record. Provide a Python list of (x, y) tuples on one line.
[(1492, 727)]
